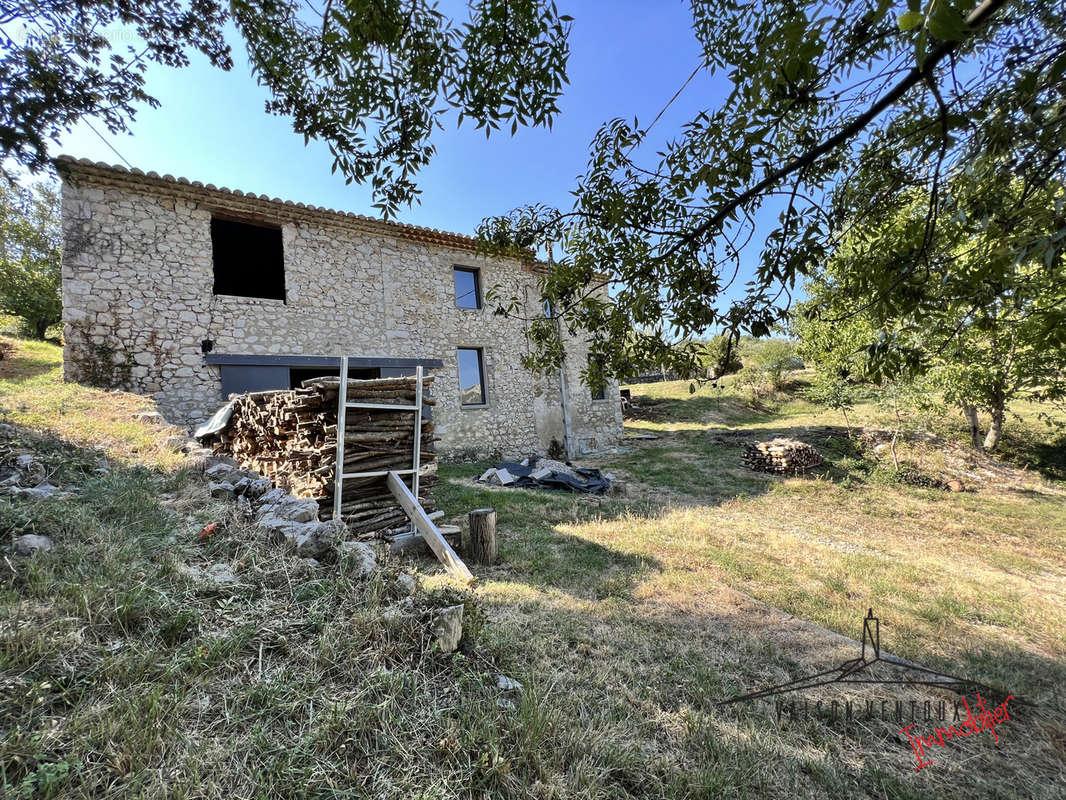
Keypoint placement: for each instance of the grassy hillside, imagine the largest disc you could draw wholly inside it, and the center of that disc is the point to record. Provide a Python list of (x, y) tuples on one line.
[(626, 618), (34, 396), (123, 675)]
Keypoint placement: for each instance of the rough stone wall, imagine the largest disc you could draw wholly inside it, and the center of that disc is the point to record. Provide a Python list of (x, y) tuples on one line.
[(138, 300), (594, 424)]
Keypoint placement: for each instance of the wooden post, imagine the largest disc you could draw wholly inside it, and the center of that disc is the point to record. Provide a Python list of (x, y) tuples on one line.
[(482, 547)]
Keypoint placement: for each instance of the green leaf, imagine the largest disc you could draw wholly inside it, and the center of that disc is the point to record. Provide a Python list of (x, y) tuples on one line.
[(947, 24), (909, 20)]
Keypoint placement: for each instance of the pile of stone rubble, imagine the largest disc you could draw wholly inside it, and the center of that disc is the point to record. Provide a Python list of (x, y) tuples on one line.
[(293, 521), (285, 517)]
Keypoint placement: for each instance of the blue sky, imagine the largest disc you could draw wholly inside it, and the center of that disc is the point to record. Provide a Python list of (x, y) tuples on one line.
[(627, 58)]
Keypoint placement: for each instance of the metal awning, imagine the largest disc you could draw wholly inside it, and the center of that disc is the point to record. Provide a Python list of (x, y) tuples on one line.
[(226, 359)]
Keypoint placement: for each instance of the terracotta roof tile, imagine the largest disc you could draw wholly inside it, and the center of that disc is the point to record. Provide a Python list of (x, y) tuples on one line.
[(67, 165)]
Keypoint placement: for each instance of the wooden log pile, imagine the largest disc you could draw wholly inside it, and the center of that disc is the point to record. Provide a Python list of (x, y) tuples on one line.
[(780, 456), (290, 436)]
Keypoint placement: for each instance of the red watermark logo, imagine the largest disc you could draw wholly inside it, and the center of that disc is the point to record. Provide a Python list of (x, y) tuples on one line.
[(985, 720)]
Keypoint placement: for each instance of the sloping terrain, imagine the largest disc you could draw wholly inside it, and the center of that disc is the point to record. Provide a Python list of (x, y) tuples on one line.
[(124, 672), (129, 666)]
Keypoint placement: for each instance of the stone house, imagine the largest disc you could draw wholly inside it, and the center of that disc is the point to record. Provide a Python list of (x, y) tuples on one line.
[(187, 292)]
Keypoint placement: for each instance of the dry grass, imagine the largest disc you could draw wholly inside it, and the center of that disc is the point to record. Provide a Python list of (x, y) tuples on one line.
[(34, 396), (626, 619), (640, 611), (122, 675)]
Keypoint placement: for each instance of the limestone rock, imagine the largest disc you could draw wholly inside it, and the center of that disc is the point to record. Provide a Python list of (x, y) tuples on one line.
[(222, 491), (448, 628), (220, 574), (258, 487), (37, 492), (406, 584), (279, 527), (308, 539), (272, 496), (213, 461), (30, 543), (32, 469), (359, 554), (505, 684), (295, 509), (212, 575), (223, 473)]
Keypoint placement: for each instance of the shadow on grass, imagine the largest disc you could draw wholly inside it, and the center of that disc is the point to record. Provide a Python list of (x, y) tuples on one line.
[(1047, 456), (76, 469), (21, 367), (530, 540)]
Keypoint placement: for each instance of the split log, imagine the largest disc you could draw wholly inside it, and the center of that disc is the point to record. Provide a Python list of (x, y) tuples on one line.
[(780, 456), (481, 546), (290, 436)]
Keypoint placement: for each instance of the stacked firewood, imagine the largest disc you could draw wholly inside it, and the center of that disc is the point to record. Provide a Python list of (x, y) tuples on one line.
[(780, 456), (290, 436)]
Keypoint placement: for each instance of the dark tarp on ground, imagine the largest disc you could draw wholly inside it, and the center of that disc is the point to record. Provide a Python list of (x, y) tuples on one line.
[(587, 481)]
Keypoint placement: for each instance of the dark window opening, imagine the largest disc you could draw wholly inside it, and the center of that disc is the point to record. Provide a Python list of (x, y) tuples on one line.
[(248, 259), (471, 377), (467, 288), (599, 386)]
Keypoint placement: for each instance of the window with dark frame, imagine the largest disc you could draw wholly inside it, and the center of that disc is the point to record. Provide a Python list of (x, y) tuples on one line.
[(598, 390), (467, 287), (248, 259), (471, 377)]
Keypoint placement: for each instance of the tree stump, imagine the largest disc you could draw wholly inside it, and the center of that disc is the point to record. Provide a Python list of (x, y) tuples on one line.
[(481, 547)]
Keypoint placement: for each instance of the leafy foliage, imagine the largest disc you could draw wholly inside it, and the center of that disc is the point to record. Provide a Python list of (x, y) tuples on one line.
[(371, 79), (774, 356), (983, 315), (835, 112), (766, 363), (58, 64), (30, 255), (721, 355)]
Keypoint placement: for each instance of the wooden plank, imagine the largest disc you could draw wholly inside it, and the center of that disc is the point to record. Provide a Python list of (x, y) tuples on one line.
[(409, 503), (342, 407), (381, 473), (389, 406)]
